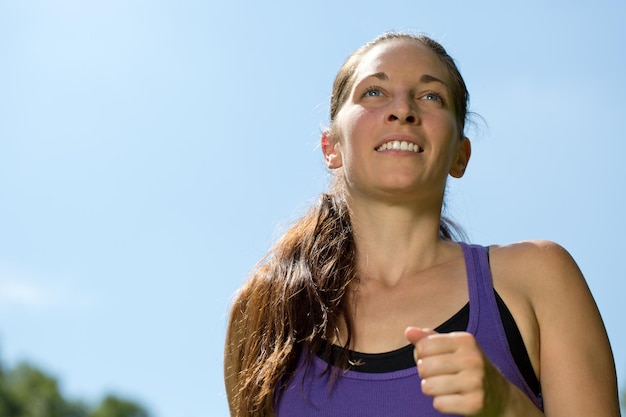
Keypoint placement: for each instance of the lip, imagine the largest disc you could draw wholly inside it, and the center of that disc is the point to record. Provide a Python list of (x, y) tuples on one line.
[(402, 138)]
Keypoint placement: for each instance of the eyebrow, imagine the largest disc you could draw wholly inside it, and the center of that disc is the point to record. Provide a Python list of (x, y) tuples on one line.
[(426, 78), (380, 75)]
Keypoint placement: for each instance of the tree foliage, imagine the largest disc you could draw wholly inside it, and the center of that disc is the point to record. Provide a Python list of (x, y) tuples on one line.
[(26, 391), (112, 406)]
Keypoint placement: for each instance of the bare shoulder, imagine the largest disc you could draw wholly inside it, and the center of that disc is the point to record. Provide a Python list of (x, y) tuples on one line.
[(541, 280), (544, 283), (532, 253), (534, 263), (545, 273)]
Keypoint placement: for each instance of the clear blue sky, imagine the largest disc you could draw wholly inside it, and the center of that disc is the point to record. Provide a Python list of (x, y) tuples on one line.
[(150, 151)]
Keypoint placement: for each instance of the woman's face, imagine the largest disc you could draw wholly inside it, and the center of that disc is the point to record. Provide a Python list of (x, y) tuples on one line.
[(396, 135)]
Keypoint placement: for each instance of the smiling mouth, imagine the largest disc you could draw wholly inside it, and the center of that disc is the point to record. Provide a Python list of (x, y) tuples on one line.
[(399, 145)]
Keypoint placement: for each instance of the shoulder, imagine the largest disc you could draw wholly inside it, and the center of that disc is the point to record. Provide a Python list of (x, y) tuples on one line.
[(543, 271), (544, 283), (532, 252), (534, 261)]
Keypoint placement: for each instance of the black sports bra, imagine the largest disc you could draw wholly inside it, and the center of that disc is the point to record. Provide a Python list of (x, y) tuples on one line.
[(403, 358)]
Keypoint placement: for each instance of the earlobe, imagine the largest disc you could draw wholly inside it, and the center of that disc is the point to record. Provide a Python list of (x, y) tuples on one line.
[(460, 164), (332, 157)]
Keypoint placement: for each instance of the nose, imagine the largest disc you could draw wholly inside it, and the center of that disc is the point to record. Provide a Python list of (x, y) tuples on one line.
[(409, 118), (403, 110)]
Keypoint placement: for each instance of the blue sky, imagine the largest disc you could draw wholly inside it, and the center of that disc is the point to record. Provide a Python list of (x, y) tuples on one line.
[(150, 152)]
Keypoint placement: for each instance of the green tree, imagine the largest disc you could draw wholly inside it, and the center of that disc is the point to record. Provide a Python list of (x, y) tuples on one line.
[(36, 394), (8, 405), (76, 409), (26, 391), (115, 407)]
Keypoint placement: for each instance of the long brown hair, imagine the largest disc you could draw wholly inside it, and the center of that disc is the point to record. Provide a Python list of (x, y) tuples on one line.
[(296, 294)]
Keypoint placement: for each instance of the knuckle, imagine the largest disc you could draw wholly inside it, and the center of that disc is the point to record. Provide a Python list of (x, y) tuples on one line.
[(463, 337), (467, 340), (475, 382), (473, 361)]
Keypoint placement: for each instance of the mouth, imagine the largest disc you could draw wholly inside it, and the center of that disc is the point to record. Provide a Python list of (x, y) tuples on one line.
[(399, 145)]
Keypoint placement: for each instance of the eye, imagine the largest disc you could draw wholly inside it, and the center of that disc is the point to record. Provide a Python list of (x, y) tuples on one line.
[(432, 97), (372, 92)]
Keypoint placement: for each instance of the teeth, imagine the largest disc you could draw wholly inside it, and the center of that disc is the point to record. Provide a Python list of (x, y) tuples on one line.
[(397, 145)]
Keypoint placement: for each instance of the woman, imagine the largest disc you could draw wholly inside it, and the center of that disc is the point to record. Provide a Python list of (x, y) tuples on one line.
[(336, 319)]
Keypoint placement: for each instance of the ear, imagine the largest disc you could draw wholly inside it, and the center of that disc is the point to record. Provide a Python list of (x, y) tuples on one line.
[(462, 159), (330, 149)]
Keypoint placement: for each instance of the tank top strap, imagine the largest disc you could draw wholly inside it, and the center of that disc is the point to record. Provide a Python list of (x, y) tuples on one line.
[(481, 297), (485, 322)]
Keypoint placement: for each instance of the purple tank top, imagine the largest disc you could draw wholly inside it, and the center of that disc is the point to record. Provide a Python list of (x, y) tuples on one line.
[(398, 394)]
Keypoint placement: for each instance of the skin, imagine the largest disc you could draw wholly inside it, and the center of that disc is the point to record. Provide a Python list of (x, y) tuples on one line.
[(411, 280)]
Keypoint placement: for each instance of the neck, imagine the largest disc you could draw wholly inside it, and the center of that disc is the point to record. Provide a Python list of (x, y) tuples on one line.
[(395, 241)]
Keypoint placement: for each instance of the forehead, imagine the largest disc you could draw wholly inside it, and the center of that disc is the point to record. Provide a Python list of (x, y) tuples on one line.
[(399, 58)]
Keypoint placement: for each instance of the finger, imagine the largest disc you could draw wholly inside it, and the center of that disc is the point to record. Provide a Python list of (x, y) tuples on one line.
[(440, 344), (415, 334), (446, 364), (450, 397), (451, 384), (448, 404), (459, 404)]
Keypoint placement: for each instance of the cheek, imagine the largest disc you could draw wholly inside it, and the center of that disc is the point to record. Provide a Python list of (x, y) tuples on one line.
[(444, 122), (355, 127)]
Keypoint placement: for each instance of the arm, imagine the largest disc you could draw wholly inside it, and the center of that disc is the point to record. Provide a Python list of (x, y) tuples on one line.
[(560, 323), (577, 371), (562, 328)]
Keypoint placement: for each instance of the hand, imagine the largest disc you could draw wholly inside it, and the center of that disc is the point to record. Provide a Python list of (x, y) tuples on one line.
[(457, 375)]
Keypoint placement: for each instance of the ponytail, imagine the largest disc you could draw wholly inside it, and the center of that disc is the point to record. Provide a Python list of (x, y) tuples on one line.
[(295, 295)]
